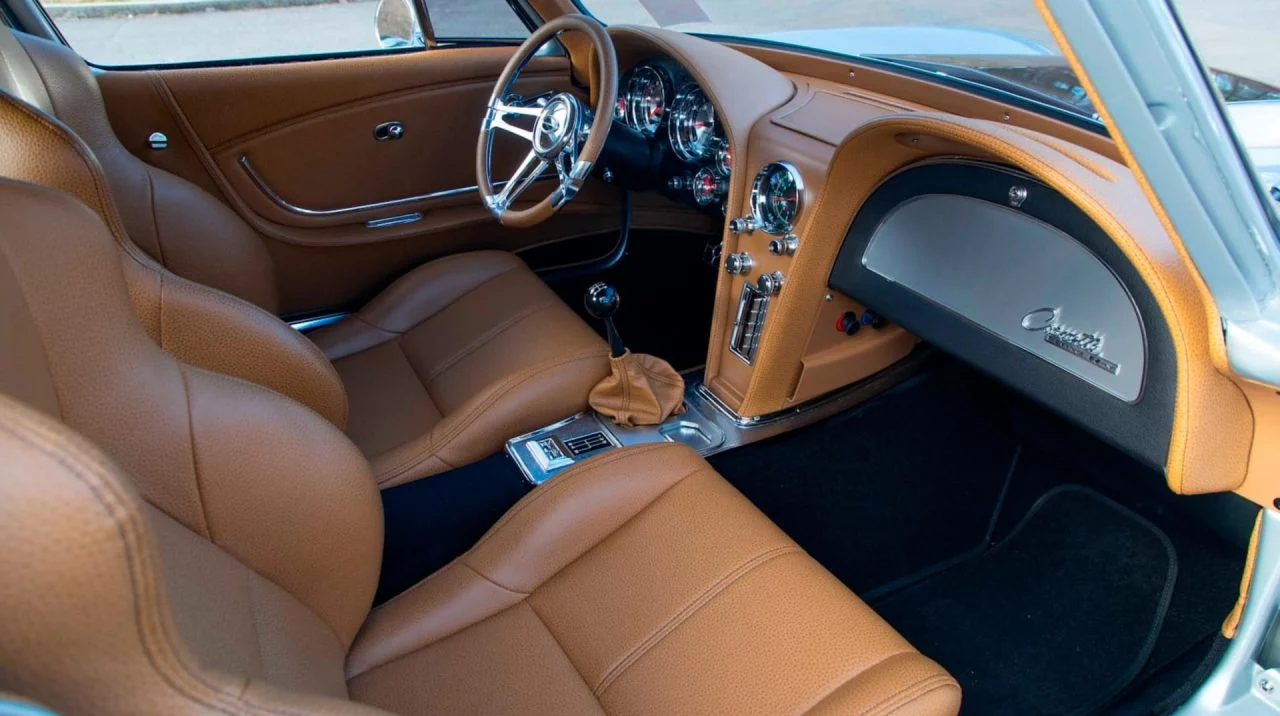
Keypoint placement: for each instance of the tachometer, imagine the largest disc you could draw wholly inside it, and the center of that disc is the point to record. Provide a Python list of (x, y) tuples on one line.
[(693, 122), (775, 197), (644, 100)]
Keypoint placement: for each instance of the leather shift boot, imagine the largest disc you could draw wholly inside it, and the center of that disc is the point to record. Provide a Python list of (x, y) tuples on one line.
[(640, 390)]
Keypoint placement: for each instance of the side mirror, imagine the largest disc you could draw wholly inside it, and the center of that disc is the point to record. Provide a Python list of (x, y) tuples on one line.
[(397, 25)]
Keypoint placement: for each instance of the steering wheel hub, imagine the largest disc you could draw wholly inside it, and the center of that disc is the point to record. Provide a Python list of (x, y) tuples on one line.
[(556, 126)]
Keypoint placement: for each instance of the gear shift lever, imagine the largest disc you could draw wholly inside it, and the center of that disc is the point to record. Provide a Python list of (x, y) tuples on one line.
[(602, 302)]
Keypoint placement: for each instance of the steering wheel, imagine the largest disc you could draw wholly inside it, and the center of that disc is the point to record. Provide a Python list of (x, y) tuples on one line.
[(565, 134)]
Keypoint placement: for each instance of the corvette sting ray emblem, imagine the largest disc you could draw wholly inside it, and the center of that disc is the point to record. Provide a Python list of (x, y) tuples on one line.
[(1087, 346)]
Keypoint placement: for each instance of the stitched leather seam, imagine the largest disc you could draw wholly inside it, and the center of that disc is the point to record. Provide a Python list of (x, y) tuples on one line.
[(911, 693), (125, 519), (413, 368), (155, 223), (253, 613), (195, 461), (687, 611), (461, 559), (604, 538), (524, 502), (488, 336), (436, 445), (566, 477), (443, 308), (844, 680), (44, 348), (563, 651)]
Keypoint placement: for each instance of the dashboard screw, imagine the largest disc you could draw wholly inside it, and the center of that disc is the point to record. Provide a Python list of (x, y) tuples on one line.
[(1266, 685), (1017, 195)]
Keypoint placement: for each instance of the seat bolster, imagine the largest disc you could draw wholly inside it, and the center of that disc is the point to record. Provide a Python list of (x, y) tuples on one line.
[(547, 530), (538, 395), (216, 331), (905, 684), (95, 633)]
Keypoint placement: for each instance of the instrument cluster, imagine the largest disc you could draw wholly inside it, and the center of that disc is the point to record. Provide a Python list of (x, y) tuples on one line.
[(660, 101)]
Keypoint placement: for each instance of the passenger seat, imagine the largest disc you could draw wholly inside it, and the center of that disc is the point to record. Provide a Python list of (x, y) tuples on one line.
[(215, 548)]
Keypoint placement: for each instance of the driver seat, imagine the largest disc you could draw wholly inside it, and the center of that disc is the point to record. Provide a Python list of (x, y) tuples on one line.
[(435, 372)]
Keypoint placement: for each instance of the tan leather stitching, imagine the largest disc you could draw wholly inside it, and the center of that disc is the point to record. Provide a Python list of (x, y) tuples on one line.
[(510, 383), (488, 336), (688, 610)]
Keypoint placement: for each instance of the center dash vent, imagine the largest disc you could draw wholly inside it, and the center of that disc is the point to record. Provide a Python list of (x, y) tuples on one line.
[(752, 306), (586, 443)]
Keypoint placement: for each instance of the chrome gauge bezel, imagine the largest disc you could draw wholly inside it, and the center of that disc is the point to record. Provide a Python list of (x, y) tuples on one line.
[(680, 129), (633, 111), (759, 197), (724, 159)]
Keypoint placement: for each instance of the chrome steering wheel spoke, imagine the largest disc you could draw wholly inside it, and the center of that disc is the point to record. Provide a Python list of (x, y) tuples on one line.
[(498, 118), (529, 170)]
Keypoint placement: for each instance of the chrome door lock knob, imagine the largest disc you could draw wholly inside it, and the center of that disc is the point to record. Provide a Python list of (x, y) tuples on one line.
[(738, 264), (770, 283), (785, 246)]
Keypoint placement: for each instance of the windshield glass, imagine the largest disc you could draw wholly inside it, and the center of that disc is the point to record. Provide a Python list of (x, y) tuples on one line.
[(1003, 44)]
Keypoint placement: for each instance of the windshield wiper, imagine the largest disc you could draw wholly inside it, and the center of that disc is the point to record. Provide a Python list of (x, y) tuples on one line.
[(988, 79)]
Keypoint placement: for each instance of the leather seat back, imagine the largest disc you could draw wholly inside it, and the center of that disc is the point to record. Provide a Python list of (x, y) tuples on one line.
[(266, 518), (199, 325), (174, 221)]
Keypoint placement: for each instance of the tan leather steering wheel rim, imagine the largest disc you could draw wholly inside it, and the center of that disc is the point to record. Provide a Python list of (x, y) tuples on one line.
[(559, 139)]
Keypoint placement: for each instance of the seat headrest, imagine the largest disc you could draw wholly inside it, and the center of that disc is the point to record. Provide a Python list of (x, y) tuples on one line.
[(18, 74)]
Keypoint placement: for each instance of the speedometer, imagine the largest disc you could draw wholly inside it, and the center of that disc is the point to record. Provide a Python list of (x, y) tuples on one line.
[(693, 123), (775, 197), (644, 100)]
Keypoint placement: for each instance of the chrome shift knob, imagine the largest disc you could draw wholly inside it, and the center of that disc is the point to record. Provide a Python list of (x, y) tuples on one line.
[(602, 300)]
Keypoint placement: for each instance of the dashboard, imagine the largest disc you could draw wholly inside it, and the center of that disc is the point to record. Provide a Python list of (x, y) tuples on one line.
[(865, 212)]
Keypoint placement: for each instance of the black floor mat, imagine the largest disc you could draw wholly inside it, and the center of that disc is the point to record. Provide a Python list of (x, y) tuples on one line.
[(904, 484), (1056, 619)]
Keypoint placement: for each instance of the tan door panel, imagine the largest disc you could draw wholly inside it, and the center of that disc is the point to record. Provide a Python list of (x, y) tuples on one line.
[(290, 147)]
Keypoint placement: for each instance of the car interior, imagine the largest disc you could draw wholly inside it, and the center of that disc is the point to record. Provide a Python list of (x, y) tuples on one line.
[(621, 371)]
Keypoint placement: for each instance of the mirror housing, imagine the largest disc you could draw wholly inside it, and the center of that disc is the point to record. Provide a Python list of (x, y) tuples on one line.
[(397, 26)]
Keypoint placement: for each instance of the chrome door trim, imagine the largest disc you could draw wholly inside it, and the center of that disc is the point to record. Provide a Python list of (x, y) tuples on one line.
[(310, 324), (358, 208)]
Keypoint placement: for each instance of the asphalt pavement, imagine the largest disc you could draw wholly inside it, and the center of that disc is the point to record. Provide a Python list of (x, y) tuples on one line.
[(1233, 35)]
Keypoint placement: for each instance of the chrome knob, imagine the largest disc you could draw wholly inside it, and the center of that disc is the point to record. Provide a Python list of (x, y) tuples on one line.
[(742, 225), (738, 264), (677, 183), (786, 246), (770, 283)]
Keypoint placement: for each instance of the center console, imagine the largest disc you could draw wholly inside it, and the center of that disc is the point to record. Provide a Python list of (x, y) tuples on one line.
[(546, 451)]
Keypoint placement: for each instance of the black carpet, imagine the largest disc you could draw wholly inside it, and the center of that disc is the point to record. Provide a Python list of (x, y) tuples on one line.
[(1056, 619), (888, 492), (431, 521), (894, 494)]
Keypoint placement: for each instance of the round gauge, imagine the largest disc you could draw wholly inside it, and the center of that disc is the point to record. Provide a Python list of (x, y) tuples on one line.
[(724, 159), (693, 124), (707, 186), (644, 100), (775, 197)]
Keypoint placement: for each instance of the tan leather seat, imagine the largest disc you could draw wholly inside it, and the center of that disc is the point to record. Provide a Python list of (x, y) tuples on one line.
[(436, 372), (222, 554)]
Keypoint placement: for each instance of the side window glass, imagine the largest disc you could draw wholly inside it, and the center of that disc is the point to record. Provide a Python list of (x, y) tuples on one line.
[(161, 32)]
